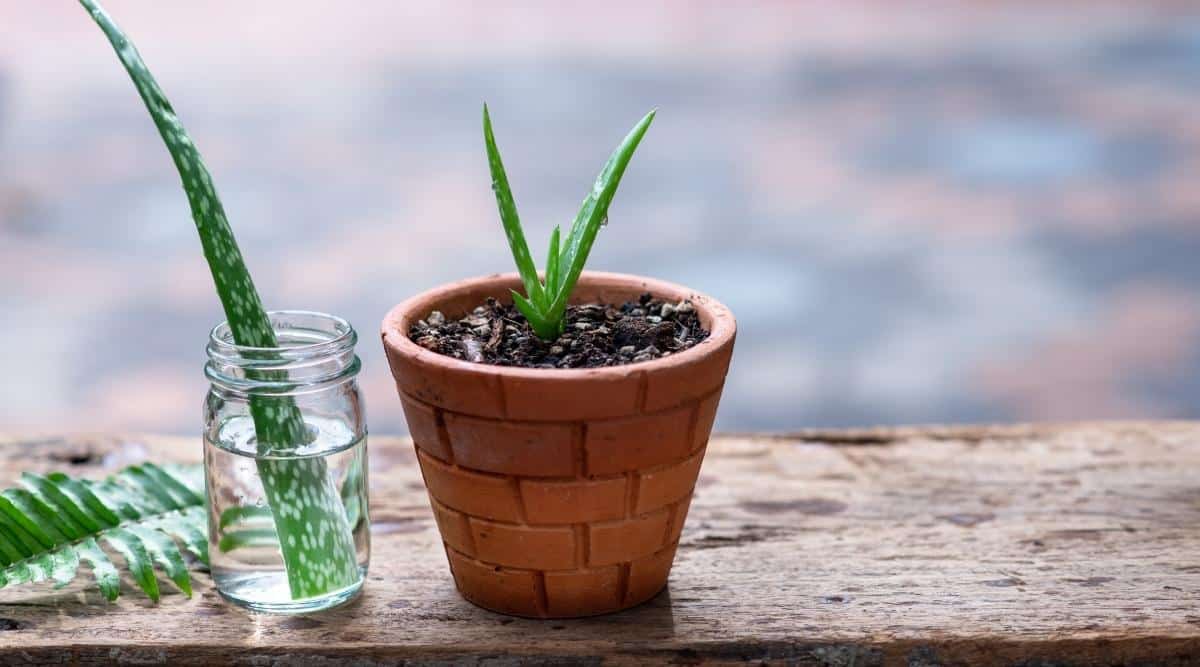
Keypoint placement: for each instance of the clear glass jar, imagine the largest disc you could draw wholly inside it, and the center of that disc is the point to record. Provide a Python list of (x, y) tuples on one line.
[(288, 524)]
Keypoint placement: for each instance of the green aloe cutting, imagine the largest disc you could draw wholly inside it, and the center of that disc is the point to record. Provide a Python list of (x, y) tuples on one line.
[(302, 498), (51, 523), (544, 304)]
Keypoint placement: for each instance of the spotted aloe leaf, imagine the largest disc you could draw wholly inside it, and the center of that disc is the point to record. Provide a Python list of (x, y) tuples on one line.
[(302, 499), (544, 304), (52, 523)]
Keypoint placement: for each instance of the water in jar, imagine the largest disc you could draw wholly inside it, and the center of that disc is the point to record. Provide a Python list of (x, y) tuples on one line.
[(320, 489)]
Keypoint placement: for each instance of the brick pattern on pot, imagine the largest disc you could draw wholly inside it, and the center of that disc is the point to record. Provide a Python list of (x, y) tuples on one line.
[(580, 527), (620, 445)]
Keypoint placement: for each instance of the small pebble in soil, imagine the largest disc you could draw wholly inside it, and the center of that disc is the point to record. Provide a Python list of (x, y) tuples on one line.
[(594, 335)]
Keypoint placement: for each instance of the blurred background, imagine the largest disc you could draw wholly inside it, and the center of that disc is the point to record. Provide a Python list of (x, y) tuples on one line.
[(919, 213)]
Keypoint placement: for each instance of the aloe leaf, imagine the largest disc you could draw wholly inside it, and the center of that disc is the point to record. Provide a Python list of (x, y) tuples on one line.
[(509, 217), (137, 559), (543, 327), (593, 213), (299, 492), (545, 306), (552, 265), (527, 309), (314, 533)]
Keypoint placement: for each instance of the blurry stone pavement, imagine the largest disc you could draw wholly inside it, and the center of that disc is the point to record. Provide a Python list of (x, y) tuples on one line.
[(951, 213)]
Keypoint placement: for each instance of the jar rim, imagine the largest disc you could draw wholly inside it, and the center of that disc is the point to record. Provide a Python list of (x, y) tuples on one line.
[(316, 350), (220, 337)]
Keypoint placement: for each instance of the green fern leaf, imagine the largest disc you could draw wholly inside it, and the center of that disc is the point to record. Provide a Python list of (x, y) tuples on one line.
[(64, 566), (248, 537), (165, 553), (143, 513), (55, 525), (132, 549), (188, 528), (102, 568)]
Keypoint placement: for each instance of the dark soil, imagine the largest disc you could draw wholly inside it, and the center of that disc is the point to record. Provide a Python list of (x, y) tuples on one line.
[(595, 335)]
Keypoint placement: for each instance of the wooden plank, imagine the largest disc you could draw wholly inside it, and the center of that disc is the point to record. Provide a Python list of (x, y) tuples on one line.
[(1067, 545)]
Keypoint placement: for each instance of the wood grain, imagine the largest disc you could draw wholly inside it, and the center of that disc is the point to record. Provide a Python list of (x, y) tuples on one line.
[(1073, 544)]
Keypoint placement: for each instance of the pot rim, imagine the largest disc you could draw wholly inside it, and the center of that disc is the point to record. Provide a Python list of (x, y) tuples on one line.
[(722, 327)]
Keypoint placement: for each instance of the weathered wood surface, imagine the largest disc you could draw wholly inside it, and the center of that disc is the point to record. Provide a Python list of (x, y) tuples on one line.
[(1015, 545)]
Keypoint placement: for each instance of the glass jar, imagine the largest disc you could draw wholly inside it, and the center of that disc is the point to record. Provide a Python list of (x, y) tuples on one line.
[(288, 524)]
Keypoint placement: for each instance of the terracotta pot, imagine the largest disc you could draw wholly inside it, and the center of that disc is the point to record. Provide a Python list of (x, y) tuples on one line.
[(559, 493)]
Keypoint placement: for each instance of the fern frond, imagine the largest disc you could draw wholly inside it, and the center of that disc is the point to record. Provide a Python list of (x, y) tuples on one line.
[(52, 523)]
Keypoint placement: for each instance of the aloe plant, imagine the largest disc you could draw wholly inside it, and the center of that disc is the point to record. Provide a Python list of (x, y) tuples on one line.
[(544, 303), (51, 523), (301, 496)]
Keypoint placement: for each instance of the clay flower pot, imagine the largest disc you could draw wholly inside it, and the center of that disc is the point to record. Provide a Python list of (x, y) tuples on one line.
[(559, 493)]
